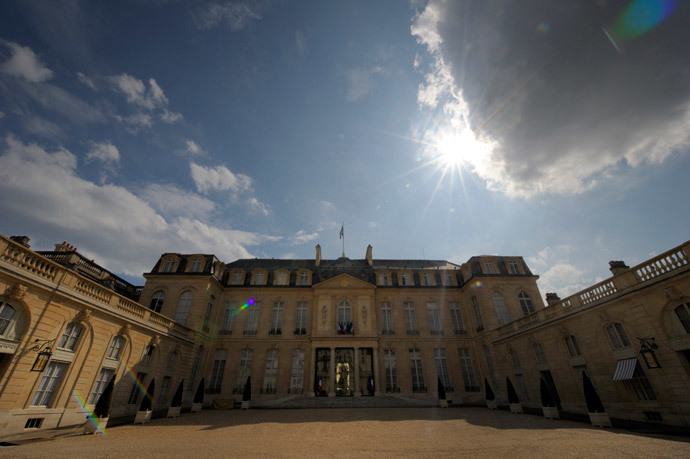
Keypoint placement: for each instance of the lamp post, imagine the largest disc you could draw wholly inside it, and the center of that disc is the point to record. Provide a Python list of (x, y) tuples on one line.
[(44, 349), (647, 347)]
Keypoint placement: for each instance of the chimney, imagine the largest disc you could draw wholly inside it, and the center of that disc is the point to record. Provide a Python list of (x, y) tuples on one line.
[(65, 247), (618, 267), (370, 261), (552, 298), (318, 255), (23, 240)]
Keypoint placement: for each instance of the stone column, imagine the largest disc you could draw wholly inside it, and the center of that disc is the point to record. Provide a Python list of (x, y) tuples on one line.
[(377, 381), (312, 372), (358, 391), (331, 392)]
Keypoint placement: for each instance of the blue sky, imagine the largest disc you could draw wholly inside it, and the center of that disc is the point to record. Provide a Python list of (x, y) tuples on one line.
[(431, 129)]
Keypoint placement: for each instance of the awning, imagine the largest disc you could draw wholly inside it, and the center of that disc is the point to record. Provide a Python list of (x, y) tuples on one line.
[(625, 369)]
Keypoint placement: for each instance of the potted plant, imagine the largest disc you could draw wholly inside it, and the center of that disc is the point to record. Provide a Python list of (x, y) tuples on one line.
[(144, 414), (198, 397), (597, 414), (101, 412), (513, 399), (176, 403), (247, 394), (490, 397), (548, 403), (442, 394)]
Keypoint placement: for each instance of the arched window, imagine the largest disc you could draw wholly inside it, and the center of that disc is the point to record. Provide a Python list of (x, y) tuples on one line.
[(157, 301), (682, 311), (501, 308), (573, 347), (70, 337), (344, 318), (526, 303), (539, 353), (115, 347), (477, 313), (146, 356), (183, 306), (172, 359), (617, 336), (6, 315)]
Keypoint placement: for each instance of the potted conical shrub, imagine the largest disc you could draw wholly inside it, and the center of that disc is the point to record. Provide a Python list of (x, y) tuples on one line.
[(442, 394), (597, 414), (144, 414), (548, 403), (176, 403), (198, 397), (247, 394), (101, 412), (513, 399), (490, 396)]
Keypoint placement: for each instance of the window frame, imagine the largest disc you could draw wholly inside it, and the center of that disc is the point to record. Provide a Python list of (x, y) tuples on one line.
[(70, 337), (301, 314), (270, 380), (184, 305), (391, 370), (157, 300), (434, 318), (441, 364), (617, 336), (50, 383), (387, 326), (456, 317), (501, 308), (245, 369), (526, 303), (574, 350), (417, 370), (684, 316), (5, 318), (469, 375), (297, 372), (276, 326), (410, 318)]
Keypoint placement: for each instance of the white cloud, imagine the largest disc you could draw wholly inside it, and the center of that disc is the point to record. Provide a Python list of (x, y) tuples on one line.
[(25, 64), (302, 237), (170, 117), (171, 201), (327, 213), (134, 123), (564, 279), (236, 15), (105, 152), (86, 81), (136, 93), (192, 149), (219, 178), (259, 206)]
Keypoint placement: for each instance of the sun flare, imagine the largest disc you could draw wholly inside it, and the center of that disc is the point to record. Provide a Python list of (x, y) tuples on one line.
[(455, 150)]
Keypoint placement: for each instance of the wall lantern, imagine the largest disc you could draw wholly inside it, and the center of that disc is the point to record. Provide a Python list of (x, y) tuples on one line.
[(647, 347), (43, 347)]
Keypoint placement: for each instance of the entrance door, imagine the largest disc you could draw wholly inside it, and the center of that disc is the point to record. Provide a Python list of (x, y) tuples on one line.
[(548, 379), (323, 372), (344, 372), (366, 370)]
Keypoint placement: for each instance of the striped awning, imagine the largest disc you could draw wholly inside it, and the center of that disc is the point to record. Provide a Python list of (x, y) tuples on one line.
[(625, 369)]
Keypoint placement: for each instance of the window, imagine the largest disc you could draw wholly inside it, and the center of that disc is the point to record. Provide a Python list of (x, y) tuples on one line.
[(115, 347), (410, 318), (169, 265), (573, 348), (682, 311), (6, 314), (390, 370), (539, 353), (489, 361), (640, 385), (146, 356), (456, 317), (259, 278), (522, 387), (195, 368), (136, 388), (489, 268), (157, 301), (70, 336), (344, 318), (468, 370), (477, 313), (513, 267), (304, 278), (501, 308), (104, 377), (383, 279), (448, 279), (297, 372), (245, 369), (526, 303), (417, 372), (172, 359), (617, 336), (228, 317), (281, 278), (276, 319), (217, 371), (33, 423), (404, 279), (252, 319), (434, 319), (442, 369), (49, 383), (196, 266), (164, 390), (516, 362), (270, 372), (183, 306), (387, 318), (209, 311), (237, 278), (426, 278), (301, 318)]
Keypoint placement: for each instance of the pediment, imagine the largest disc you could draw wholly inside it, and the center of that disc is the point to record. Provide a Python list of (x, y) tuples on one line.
[(343, 281)]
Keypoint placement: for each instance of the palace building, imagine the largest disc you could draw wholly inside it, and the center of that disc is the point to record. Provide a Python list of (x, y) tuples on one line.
[(336, 328)]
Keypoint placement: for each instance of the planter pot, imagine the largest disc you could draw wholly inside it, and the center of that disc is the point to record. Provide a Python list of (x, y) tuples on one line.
[(90, 426), (516, 408), (196, 407), (600, 419), (551, 412), (492, 404), (143, 417), (245, 404), (443, 403), (174, 411)]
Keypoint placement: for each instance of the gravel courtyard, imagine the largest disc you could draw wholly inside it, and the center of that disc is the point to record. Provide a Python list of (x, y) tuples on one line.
[(389, 432)]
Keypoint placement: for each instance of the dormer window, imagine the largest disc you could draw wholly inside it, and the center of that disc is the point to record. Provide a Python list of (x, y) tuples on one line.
[(489, 268), (259, 278), (404, 279), (447, 279), (513, 267), (281, 278), (383, 279), (304, 278), (196, 266), (169, 265), (426, 278), (237, 278)]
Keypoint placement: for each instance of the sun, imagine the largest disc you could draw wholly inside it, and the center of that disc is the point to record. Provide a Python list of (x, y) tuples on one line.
[(454, 150)]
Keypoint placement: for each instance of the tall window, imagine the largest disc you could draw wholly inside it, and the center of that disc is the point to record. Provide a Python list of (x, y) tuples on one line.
[(197, 266), (252, 319), (297, 372), (259, 278), (513, 267), (237, 278), (617, 336), (489, 361), (426, 278), (304, 278), (390, 370), (103, 379), (146, 356), (195, 368), (115, 347), (209, 311), (281, 278), (477, 313), (516, 362), (344, 318), (410, 318), (301, 318), (70, 336), (522, 387), (6, 314), (447, 279), (501, 308), (683, 313), (417, 372), (169, 265), (456, 317), (217, 371), (172, 360), (49, 383), (228, 317), (539, 354), (270, 372), (640, 385), (136, 388), (276, 319), (383, 279), (434, 319), (526, 303), (573, 347), (387, 318), (404, 279), (245, 369), (157, 301), (468, 370), (489, 267), (442, 368), (183, 306)]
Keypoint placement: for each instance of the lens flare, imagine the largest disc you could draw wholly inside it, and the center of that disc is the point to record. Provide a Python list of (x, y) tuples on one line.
[(90, 416), (249, 302), (641, 16), (136, 381)]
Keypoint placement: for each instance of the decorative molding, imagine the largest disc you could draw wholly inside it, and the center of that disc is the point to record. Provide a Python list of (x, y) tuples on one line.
[(17, 292), (672, 293), (83, 316), (155, 340), (125, 329)]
